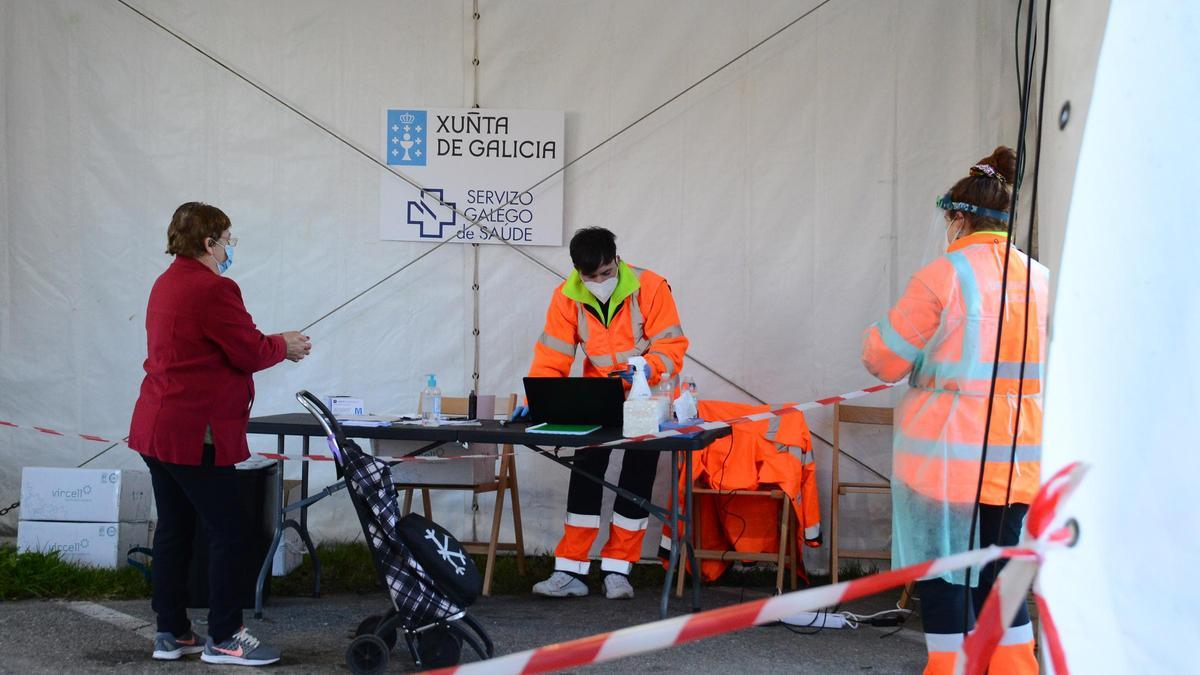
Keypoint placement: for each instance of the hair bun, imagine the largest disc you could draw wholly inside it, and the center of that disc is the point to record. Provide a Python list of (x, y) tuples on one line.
[(1003, 160)]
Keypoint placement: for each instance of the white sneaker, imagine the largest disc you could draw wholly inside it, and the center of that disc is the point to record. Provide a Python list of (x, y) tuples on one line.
[(561, 585), (616, 587)]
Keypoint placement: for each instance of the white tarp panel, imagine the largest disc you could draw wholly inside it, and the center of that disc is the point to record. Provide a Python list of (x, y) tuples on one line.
[(786, 199), (1121, 392)]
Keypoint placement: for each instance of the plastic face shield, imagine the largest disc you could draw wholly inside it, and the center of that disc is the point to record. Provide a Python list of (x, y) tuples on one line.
[(946, 204)]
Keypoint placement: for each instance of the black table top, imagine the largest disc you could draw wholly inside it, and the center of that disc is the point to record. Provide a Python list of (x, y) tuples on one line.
[(489, 431)]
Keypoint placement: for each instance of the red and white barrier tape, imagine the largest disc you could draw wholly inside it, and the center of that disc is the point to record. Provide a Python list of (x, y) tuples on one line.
[(671, 632), (1014, 582), (52, 432), (717, 424), (755, 417)]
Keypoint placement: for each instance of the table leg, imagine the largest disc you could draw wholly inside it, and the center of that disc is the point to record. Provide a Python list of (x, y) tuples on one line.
[(304, 484), (302, 530), (673, 523), (279, 526), (691, 549)]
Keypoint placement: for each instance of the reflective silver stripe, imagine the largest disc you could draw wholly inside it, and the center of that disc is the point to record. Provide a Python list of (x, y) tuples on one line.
[(639, 325), (669, 332), (631, 524), (602, 361), (1017, 635), (568, 565), (773, 428), (812, 532), (583, 520), (560, 346), (943, 642), (614, 565), (665, 542), (583, 326), (668, 365)]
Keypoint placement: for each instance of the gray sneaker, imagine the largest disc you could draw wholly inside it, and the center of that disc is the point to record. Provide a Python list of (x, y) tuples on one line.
[(243, 649), (167, 647), (617, 587), (561, 585)]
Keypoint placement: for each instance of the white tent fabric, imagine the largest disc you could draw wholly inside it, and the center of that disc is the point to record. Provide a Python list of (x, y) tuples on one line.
[(787, 200), (1121, 392)]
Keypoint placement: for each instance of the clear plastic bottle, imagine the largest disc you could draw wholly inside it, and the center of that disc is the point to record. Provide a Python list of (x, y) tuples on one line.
[(662, 395), (431, 403)]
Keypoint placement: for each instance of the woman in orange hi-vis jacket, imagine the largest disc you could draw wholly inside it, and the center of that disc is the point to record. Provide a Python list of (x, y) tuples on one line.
[(942, 334), (614, 311)]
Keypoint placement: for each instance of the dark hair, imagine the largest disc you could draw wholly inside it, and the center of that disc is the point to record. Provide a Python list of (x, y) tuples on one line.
[(193, 224), (592, 248), (989, 188)]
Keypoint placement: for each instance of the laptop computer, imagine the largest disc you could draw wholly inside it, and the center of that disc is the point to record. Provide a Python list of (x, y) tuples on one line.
[(575, 400)]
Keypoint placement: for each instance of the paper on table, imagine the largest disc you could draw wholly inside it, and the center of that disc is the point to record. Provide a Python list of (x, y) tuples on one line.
[(366, 420)]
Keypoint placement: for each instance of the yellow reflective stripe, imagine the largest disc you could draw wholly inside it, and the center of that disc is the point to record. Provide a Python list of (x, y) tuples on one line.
[(561, 346), (670, 332)]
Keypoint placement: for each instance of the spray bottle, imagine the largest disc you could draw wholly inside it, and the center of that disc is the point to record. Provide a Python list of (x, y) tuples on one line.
[(641, 410)]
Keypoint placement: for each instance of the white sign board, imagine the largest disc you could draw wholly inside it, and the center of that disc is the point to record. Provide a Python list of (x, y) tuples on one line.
[(479, 161)]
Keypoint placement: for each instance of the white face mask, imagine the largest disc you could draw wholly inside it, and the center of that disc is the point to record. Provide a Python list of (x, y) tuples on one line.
[(602, 289), (950, 239)]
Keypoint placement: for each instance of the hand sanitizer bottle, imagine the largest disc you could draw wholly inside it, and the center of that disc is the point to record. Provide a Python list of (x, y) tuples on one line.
[(641, 412), (431, 403)]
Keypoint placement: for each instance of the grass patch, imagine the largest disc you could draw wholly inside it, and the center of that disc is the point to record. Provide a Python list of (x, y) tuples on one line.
[(345, 567), (25, 576)]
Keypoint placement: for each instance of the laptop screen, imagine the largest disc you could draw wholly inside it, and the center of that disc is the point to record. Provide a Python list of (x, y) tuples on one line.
[(575, 400)]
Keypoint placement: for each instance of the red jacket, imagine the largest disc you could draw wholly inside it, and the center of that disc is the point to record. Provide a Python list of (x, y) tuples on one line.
[(202, 348)]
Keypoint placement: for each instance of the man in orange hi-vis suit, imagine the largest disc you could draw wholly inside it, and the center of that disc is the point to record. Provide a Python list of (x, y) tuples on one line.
[(942, 333), (614, 311)]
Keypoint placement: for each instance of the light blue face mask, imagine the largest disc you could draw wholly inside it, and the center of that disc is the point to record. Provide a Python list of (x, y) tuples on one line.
[(224, 265)]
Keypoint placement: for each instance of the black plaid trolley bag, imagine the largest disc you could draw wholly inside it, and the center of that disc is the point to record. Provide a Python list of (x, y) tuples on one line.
[(430, 579)]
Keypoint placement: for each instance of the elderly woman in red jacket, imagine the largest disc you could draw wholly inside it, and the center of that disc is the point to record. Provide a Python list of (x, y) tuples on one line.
[(189, 424)]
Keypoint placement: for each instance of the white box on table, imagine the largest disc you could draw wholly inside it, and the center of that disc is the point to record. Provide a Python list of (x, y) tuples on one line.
[(447, 471), (85, 495), (94, 544)]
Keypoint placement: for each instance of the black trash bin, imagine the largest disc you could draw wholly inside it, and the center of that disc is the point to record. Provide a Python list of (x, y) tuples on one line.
[(257, 492)]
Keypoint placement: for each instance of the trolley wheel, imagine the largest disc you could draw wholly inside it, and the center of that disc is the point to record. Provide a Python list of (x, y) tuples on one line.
[(367, 655), (370, 624)]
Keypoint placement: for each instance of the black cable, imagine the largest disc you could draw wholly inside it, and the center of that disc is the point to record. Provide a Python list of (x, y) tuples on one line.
[(1012, 216), (1037, 165)]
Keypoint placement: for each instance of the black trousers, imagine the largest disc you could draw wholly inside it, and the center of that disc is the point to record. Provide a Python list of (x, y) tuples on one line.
[(637, 476), (942, 602), (182, 493)]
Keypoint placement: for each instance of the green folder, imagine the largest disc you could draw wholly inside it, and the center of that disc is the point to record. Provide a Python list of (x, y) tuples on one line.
[(563, 429)]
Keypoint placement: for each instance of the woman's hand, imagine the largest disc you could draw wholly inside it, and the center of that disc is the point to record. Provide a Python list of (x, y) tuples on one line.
[(298, 346)]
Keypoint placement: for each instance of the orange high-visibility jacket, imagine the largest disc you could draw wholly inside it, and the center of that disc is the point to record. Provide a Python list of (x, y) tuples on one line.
[(755, 456), (641, 321), (942, 334)]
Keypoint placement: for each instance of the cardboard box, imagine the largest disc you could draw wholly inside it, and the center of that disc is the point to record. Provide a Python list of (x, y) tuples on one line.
[(449, 472), (289, 555), (94, 544), (85, 495)]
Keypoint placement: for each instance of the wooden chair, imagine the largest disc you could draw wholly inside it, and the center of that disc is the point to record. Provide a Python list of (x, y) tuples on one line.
[(788, 551), (854, 414), (504, 482)]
